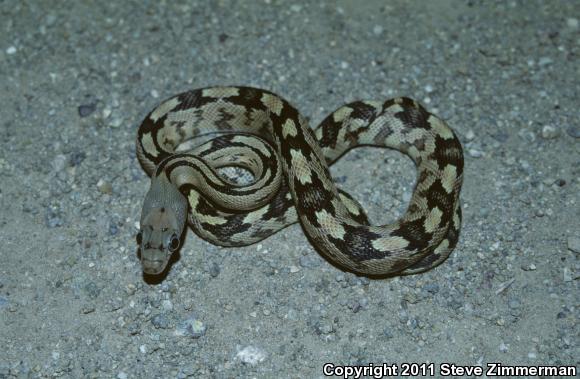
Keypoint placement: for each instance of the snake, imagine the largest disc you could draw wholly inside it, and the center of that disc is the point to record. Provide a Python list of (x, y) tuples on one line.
[(257, 132)]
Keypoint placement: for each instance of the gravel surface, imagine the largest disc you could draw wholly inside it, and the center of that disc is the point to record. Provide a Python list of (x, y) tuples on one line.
[(76, 80)]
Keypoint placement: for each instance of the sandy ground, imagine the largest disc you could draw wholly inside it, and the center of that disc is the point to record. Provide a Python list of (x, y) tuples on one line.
[(77, 78)]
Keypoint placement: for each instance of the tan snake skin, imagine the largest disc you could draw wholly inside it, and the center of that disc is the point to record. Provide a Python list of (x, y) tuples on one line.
[(262, 133)]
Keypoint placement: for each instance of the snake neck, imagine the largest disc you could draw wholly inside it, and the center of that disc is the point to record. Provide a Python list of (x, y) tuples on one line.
[(164, 194)]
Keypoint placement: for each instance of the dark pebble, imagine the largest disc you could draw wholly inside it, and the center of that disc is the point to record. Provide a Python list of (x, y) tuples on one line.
[(92, 290), (134, 328), (53, 218), (85, 110), (364, 281), (114, 224), (355, 306), (167, 287), (574, 131), (500, 136), (214, 270), (160, 321), (431, 287), (76, 158), (387, 333), (454, 304)]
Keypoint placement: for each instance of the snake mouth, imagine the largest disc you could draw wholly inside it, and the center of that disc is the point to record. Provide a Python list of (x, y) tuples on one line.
[(153, 266)]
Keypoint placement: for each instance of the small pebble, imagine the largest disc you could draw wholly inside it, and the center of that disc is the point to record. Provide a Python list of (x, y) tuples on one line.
[(160, 321), (503, 348), (53, 217), (11, 50), (431, 287), (191, 327), (87, 109), (59, 163), (77, 157), (251, 355), (567, 274), (550, 132), (309, 261), (572, 23), (122, 375), (116, 122), (104, 187), (107, 112), (573, 131), (214, 270), (544, 61), (529, 267), (574, 244), (294, 269), (474, 153), (470, 135), (377, 30)]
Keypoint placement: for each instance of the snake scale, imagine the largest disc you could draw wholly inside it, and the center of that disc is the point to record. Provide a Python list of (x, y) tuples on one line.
[(261, 133)]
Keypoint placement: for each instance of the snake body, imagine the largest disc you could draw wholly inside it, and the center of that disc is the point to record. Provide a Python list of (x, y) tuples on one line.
[(262, 133)]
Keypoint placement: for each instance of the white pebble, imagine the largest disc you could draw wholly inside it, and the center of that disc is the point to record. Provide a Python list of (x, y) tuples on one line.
[(107, 112), (154, 94), (503, 348), (167, 305), (544, 61), (429, 88), (550, 132), (572, 23), (378, 30), (567, 275), (475, 153), (121, 375), (251, 355), (116, 122), (59, 162), (11, 50), (470, 135), (344, 65)]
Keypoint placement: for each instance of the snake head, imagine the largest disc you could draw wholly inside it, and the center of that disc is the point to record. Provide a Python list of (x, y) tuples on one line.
[(158, 238)]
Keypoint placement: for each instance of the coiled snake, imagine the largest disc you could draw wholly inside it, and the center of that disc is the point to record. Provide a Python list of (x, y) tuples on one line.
[(261, 133)]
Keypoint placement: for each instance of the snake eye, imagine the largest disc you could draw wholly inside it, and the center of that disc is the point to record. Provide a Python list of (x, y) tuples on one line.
[(139, 237), (173, 243)]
